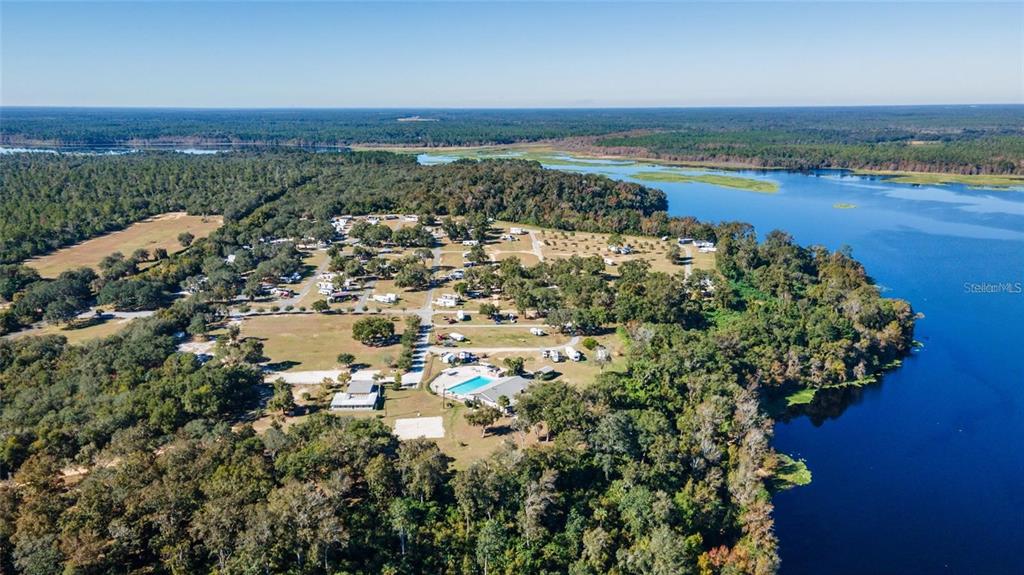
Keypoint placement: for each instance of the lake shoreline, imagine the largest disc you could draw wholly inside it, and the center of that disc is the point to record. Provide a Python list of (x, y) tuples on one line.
[(988, 181)]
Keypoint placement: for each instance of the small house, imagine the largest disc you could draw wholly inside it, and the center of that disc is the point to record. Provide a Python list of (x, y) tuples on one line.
[(360, 395), (508, 387), (603, 354), (516, 231)]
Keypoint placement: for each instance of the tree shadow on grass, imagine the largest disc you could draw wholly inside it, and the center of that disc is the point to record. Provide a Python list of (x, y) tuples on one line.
[(500, 430), (283, 365)]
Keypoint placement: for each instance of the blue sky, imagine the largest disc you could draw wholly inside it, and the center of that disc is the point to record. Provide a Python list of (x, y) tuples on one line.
[(206, 54)]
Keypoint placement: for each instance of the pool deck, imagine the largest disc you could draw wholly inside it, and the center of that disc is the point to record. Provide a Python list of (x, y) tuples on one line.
[(453, 376)]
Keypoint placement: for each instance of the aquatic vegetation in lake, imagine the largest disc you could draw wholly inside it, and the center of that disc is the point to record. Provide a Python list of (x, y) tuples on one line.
[(735, 182), (790, 473), (985, 181), (802, 397)]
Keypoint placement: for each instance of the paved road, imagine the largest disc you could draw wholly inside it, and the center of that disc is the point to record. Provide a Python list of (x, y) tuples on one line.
[(91, 313), (426, 312), (537, 251), (294, 301)]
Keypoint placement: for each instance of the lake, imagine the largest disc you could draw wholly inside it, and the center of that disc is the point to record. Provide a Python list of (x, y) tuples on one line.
[(923, 472)]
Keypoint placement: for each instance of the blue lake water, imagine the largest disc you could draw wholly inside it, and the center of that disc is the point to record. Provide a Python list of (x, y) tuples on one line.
[(924, 472)]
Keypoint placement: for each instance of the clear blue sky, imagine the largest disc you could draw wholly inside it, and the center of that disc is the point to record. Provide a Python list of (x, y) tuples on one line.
[(488, 54)]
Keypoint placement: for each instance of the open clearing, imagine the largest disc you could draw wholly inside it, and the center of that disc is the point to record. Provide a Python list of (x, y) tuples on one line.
[(503, 336), (303, 342), (155, 232), (75, 334), (558, 244), (461, 440)]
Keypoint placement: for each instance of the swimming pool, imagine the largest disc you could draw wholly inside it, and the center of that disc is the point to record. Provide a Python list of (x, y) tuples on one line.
[(470, 385)]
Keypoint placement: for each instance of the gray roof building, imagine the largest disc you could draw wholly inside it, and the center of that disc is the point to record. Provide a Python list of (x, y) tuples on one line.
[(360, 395), (510, 387)]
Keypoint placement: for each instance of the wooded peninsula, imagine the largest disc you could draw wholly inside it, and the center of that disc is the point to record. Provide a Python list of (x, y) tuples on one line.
[(128, 454)]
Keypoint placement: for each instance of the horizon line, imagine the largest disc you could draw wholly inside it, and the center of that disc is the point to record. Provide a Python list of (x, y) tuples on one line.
[(511, 108)]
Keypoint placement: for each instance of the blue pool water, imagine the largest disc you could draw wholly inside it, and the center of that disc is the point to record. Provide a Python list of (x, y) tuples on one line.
[(922, 473), (470, 385)]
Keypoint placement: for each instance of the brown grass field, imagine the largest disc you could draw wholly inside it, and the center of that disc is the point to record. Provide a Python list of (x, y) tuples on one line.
[(558, 244), (462, 441), (76, 334), (313, 341), (156, 232)]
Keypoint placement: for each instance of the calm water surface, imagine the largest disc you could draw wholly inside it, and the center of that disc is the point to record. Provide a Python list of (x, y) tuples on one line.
[(924, 473)]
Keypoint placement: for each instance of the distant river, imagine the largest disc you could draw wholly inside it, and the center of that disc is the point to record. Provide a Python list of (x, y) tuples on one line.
[(924, 473)]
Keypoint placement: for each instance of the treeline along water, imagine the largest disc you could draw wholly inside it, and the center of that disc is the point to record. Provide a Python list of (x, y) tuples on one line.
[(921, 473)]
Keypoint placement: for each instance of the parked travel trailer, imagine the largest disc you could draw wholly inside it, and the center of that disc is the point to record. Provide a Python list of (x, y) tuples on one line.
[(385, 298), (447, 300)]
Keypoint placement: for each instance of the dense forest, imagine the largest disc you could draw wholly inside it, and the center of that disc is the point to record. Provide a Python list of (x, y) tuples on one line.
[(125, 455), (960, 139), (885, 149), (51, 201)]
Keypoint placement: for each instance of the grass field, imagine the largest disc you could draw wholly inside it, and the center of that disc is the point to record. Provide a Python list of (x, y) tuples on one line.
[(526, 258), (500, 336), (156, 232), (578, 373), (407, 299), (76, 334), (558, 244), (462, 441), (313, 341), (735, 182)]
